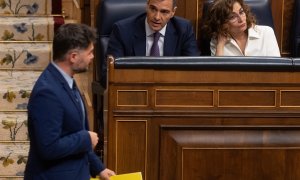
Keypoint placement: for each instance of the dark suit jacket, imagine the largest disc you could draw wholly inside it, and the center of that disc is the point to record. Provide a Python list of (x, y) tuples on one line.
[(128, 38), (60, 147)]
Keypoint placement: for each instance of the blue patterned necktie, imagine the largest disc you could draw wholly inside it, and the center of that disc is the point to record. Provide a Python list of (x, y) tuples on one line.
[(155, 49), (79, 100)]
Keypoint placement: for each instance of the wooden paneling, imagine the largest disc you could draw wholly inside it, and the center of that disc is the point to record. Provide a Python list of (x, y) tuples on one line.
[(183, 98), (288, 7), (203, 124), (228, 152), (132, 98), (247, 98), (131, 139), (282, 11), (71, 11), (289, 98)]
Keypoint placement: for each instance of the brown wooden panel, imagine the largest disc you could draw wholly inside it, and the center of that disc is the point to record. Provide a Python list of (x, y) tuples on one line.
[(216, 77), (131, 146), (229, 153), (246, 164), (282, 11), (247, 98), (252, 124), (144, 75), (132, 98), (183, 98), (288, 8), (277, 13), (290, 98)]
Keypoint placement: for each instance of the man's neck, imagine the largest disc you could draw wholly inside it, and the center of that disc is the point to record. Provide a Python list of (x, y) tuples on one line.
[(65, 67)]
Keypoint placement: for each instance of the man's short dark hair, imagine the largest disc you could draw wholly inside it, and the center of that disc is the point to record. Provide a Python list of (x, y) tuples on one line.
[(174, 3), (72, 36)]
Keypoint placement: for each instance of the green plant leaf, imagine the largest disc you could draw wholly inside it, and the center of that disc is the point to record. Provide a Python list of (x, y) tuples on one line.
[(7, 35), (24, 94), (20, 161), (9, 96), (2, 4), (7, 59), (10, 161), (39, 37), (7, 162), (8, 123), (24, 160)]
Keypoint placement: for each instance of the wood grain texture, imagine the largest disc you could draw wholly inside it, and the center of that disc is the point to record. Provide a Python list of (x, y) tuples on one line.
[(200, 124)]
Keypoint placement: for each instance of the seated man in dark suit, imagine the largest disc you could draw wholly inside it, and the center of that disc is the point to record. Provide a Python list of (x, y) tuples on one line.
[(154, 33)]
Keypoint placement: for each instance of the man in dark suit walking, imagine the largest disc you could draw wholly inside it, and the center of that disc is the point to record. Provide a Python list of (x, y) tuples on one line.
[(61, 146)]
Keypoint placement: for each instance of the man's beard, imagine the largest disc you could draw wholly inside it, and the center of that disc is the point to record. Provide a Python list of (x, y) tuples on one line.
[(80, 70)]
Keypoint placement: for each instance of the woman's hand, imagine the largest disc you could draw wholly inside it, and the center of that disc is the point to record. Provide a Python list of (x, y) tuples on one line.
[(221, 41)]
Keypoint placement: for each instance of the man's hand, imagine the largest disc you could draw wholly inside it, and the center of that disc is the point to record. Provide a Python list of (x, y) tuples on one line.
[(94, 138), (106, 173)]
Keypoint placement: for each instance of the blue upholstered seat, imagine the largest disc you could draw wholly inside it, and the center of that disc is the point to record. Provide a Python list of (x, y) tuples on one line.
[(110, 11)]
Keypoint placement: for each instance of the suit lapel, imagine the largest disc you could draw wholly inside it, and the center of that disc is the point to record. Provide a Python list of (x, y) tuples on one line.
[(65, 86), (139, 42), (170, 41)]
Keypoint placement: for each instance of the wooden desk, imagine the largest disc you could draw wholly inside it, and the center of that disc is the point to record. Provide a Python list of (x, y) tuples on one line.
[(177, 123)]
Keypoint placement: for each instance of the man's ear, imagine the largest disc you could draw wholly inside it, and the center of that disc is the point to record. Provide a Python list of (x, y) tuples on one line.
[(174, 10), (72, 56)]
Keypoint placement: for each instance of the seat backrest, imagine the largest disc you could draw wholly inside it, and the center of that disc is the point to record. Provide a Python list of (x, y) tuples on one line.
[(262, 11), (109, 12), (295, 35), (260, 8)]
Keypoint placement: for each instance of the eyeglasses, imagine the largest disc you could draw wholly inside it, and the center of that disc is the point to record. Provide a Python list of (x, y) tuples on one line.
[(234, 17)]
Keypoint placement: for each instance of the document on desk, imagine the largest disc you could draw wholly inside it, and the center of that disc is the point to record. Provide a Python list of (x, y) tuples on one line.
[(128, 176)]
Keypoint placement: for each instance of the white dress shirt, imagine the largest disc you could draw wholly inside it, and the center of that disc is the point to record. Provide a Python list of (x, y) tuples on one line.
[(149, 39), (261, 42)]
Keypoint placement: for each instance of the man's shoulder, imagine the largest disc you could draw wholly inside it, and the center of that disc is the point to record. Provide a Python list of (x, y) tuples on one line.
[(180, 24), (131, 19), (49, 75), (180, 20)]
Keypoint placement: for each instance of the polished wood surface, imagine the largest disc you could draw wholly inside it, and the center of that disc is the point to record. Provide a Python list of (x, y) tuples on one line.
[(282, 11), (203, 124)]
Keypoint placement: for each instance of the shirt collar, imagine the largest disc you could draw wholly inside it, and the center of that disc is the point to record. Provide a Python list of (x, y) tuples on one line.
[(149, 31), (253, 33), (68, 78)]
